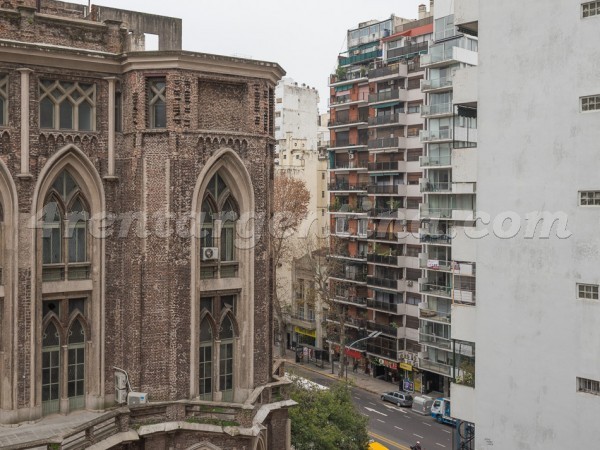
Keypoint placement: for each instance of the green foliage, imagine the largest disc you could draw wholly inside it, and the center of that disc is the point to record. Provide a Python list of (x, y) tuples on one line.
[(327, 420)]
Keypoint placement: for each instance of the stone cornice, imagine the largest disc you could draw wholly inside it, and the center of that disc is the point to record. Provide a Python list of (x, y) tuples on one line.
[(61, 57)]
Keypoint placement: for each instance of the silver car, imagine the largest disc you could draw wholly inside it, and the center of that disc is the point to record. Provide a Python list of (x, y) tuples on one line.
[(398, 398)]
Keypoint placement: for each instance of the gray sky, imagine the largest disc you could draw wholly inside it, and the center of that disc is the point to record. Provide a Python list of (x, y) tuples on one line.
[(304, 37)]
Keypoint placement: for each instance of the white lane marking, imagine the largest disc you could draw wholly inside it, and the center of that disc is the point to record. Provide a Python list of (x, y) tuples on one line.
[(401, 429), (415, 434), (382, 421), (425, 423), (357, 398), (375, 411), (440, 445), (446, 431), (395, 408), (371, 403)]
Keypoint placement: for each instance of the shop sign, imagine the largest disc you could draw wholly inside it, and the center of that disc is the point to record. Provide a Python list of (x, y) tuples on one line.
[(386, 363), (353, 353), (304, 331), (406, 366), (433, 263), (408, 386)]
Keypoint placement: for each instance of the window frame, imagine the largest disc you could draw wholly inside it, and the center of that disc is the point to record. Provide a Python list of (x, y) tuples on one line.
[(585, 199), (588, 386), (87, 95), (586, 291), (591, 7), (154, 95), (589, 103)]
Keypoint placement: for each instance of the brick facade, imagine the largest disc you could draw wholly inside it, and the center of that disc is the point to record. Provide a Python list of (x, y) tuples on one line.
[(139, 287)]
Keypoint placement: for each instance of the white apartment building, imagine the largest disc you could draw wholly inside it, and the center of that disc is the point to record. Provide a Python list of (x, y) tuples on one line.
[(296, 112), (449, 187), (536, 322)]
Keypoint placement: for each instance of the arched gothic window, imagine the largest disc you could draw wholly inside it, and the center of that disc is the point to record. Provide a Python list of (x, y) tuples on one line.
[(219, 217), (217, 352), (76, 366), (65, 253), (50, 370)]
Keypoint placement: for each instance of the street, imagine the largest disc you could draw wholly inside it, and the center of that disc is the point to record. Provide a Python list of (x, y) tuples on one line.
[(394, 427)]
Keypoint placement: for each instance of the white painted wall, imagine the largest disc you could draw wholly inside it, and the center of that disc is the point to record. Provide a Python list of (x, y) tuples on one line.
[(536, 150), (299, 111)]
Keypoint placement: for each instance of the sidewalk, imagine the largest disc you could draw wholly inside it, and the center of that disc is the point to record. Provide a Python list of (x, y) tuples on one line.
[(359, 379)]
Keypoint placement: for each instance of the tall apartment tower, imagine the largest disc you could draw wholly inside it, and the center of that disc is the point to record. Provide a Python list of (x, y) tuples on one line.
[(135, 299), (374, 193), (447, 212), (299, 155), (535, 324)]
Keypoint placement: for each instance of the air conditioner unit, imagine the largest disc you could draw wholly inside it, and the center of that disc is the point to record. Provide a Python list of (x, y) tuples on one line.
[(210, 253), (350, 155), (409, 283), (120, 387), (137, 398)]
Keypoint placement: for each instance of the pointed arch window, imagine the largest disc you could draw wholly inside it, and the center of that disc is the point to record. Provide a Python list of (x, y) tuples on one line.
[(219, 216), (64, 363), (65, 217), (66, 105), (217, 352)]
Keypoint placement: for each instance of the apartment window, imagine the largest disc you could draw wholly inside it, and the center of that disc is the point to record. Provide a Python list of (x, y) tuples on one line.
[(157, 103), (322, 194), (588, 386), (589, 198), (413, 299), (590, 9), (587, 291), (66, 105), (3, 99), (590, 103)]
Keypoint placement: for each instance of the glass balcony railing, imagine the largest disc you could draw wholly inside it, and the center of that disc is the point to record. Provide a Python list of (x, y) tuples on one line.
[(347, 186), (407, 50), (435, 110), (435, 341), (384, 143), (362, 57), (390, 260), (383, 306), (382, 282), (393, 69), (438, 83), (429, 186), (386, 329), (435, 135), (390, 119), (437, 367), (393, 166), (435, 289), (429, 314), (394, 94), (348, 143), (435, 161)]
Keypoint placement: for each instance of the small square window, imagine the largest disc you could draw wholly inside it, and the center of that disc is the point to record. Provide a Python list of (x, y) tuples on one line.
[(157, 103), (588, 386), (590, 103), (589, 198), (587, 291), (590, 9)]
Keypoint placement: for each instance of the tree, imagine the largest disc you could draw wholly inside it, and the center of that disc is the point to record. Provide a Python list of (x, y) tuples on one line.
[(327, 419), (290, 208)]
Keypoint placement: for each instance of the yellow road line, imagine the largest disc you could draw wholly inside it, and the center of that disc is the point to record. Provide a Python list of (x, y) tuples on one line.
[(389, 442)]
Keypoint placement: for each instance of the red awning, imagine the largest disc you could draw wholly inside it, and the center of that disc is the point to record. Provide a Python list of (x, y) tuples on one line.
[(353, 353), (419, 31)]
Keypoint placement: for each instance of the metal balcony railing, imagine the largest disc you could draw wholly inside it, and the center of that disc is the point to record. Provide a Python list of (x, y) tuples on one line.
[(434, 161), (384, 143), (407, 50), (389, 119), (391, 260), (385, 166), (347, 186), (382, 282), (385, 96), (393, 69)]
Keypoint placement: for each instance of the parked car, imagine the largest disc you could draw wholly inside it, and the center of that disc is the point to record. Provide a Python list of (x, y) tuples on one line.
[(398, 398)]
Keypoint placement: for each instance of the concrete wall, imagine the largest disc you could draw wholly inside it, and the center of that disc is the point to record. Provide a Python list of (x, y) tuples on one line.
[(536, 150)]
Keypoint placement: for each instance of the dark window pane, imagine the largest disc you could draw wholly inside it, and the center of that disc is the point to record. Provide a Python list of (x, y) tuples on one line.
[(1, 111), (160, 114), (71, 389), (85, 116), (66, 116), (46, 113), (76, 304)]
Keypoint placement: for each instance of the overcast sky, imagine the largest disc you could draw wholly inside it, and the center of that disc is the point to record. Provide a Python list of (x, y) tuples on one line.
[(304, 37)]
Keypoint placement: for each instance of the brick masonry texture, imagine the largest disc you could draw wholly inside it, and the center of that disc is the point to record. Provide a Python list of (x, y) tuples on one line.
[(148, 281)]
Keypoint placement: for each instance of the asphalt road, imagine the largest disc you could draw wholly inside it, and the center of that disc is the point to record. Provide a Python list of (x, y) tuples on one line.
[(392, 426)]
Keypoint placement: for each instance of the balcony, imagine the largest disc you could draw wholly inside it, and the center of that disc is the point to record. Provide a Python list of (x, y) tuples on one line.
[(351, 276), (435, 161), (347, 187), (353, 300), (391, 70), (388, 260), (346, 208), (303, 321), (362, 57), (435, 135), (407, 50), (435, 264), (347, 99), (436, 316), (434, 238), (346, 143), (387, 166), (435, 341), (433, 366), (382, 282), (434, 213), (437, 84), (386, 96), (337, 79), (350, 165), (435, 289), (451, 52), (347, 122), (390, 119), (440, 109), (435, 187), (383, 306), (390, 330), (377, 350), (344, 254), (384, 143)]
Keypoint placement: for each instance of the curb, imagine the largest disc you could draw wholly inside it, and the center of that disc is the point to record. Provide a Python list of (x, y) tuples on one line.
[(333, 377)]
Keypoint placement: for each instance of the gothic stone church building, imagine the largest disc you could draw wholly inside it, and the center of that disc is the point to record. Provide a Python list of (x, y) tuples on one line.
[(135, 194)]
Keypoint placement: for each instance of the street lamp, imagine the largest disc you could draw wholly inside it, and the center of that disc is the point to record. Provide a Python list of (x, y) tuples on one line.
[(372, 334)]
